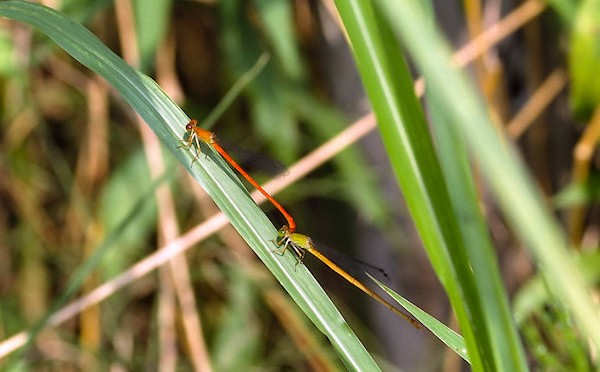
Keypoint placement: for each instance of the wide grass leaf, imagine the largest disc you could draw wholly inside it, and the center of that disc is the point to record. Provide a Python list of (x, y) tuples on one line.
[(167, 121)]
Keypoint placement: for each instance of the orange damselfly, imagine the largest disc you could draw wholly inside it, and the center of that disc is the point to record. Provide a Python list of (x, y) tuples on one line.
[(197, 134), (299, 244)]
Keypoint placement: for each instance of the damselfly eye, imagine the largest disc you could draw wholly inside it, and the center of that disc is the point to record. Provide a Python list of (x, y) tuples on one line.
[(189, 126)]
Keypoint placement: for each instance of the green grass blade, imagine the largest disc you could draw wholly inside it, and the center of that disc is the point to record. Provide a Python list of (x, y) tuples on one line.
[(235, 91), (167, 120), (152, 21), (410, 148), (503, 337), (452, 339), (279, 31), (513, 187)]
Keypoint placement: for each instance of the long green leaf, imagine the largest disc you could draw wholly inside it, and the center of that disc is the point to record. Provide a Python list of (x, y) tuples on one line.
[(167, 120), (503, 339), (513, 187), (408, 143), (452, 339)]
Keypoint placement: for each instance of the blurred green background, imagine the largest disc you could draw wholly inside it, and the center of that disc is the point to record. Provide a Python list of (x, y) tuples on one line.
[(74, 167)]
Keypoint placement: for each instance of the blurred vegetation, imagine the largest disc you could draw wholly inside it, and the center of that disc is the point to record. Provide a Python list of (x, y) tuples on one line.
[(77, 204)]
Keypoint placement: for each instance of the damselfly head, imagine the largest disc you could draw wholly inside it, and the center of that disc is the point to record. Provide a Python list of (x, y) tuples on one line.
[(282, 233), (191, 125)]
